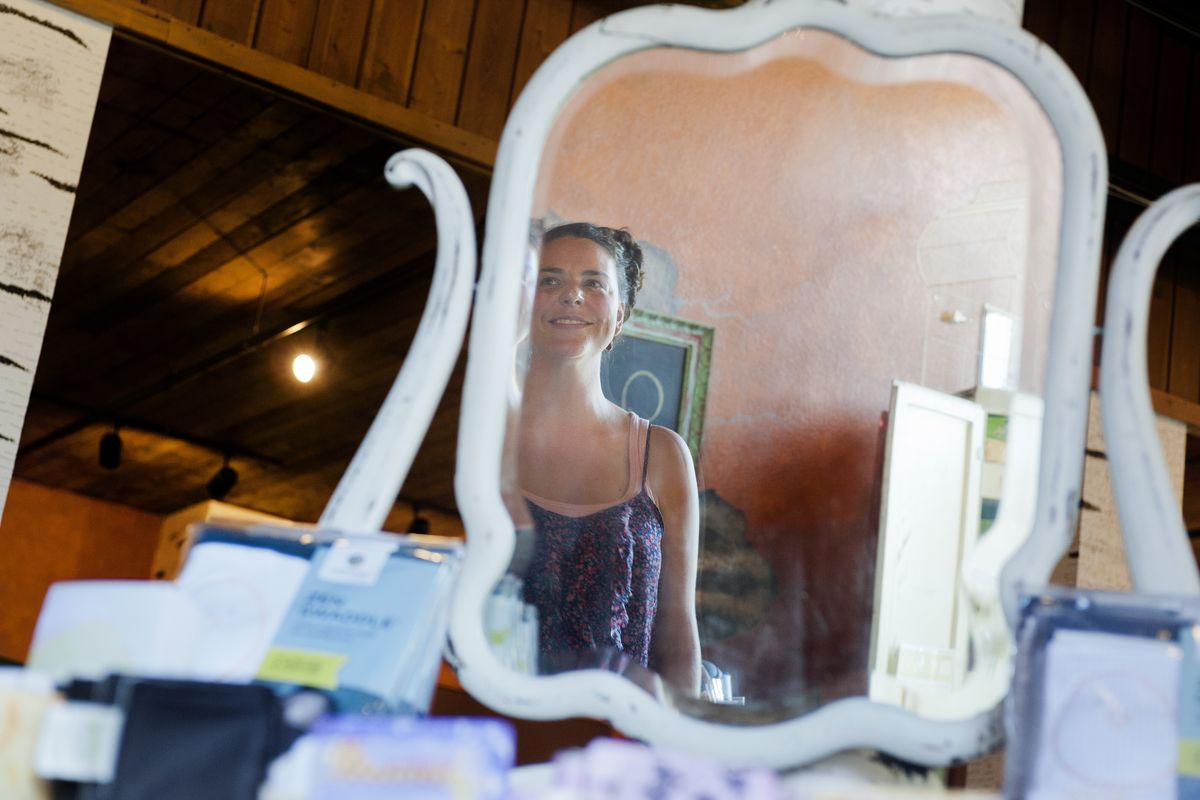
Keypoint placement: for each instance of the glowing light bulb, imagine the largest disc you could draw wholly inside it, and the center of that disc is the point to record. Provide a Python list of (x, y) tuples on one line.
[(304, 368)]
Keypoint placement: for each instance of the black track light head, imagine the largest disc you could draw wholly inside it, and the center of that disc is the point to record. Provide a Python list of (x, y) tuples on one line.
[(419, 524), (222, 482), (110, 450)]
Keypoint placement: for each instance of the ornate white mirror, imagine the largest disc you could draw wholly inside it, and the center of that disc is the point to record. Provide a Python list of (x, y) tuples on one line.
[(1156, 543), (868, 251)]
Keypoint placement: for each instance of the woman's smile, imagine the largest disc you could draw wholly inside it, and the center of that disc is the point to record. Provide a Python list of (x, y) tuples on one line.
[(569, 322), (577, 309)]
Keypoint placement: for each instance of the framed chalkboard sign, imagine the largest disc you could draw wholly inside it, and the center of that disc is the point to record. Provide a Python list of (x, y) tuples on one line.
[(658, 368)]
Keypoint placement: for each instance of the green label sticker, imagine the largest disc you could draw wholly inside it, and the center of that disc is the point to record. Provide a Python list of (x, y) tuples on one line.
[(305, 667), (1189, 758)]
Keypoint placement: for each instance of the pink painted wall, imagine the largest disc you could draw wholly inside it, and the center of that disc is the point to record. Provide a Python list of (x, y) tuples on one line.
[(784, 202)]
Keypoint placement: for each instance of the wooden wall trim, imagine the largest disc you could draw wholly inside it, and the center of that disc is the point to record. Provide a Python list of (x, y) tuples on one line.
[(156, 26), (1166, 404), (1176, 407)]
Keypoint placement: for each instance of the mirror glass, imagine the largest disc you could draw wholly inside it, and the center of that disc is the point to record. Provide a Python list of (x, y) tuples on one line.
[(848, 265)]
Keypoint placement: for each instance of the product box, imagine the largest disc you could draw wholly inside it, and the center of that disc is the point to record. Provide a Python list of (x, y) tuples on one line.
[(1106, 697), (360, 617)]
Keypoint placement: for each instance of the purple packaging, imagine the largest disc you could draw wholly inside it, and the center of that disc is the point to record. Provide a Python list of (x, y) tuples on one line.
[(405, 758), (609, 768)]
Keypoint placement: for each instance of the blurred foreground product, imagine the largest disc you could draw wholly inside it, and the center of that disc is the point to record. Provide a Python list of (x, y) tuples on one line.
[(1106, 697), (608, 768), (89, 629), (183, 740), (361, 617), (512, 626), (358, 617), (369, 758), (24, 700)]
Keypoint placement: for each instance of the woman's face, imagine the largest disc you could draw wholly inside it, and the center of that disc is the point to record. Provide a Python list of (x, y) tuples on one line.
[(577, 309)]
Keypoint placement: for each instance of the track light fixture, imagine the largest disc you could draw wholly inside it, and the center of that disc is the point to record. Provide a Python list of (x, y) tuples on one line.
[(419, 524), (223, 481), (110, 449)]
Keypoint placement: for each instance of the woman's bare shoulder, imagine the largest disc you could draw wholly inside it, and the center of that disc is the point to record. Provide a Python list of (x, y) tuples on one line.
[(661, 438), (670, 468)]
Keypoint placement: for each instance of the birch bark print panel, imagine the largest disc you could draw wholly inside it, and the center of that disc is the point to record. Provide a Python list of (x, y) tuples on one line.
[(51, 62)]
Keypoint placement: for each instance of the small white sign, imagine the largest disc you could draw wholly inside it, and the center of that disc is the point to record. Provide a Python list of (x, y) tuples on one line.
[(357, 561)]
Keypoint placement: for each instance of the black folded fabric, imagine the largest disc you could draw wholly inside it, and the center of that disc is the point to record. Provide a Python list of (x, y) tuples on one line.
[(186, 740)]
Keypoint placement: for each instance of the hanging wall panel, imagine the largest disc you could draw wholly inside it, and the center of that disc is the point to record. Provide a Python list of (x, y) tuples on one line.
[(51, 79)]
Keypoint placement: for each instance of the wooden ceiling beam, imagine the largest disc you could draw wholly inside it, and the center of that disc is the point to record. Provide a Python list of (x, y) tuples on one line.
[(472, 150)]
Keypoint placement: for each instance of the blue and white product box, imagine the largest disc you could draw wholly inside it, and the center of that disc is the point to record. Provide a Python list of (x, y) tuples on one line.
[(363, 619), (1106, 698), (364, 640)]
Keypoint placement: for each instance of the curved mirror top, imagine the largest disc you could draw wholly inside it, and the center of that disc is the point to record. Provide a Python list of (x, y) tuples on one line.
[(752, 487)]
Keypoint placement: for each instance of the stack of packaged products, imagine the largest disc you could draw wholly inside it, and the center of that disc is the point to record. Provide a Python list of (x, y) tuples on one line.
[(283, 662)]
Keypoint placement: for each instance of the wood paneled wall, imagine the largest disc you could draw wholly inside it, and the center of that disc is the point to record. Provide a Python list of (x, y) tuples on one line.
[(1141, 70), (1139, 61), (441, 72), (461, 62)]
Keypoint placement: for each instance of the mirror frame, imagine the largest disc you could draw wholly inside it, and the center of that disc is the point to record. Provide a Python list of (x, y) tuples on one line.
[(842, 724), (1156, 542), (371, 483)]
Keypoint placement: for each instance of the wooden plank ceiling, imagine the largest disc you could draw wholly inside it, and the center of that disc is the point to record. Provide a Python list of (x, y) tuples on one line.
[(211, 218)]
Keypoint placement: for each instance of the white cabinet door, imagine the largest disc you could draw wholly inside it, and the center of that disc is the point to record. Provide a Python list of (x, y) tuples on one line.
[(929, 522)]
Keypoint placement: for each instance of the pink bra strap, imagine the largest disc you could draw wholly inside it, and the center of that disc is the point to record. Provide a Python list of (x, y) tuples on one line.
[(645, 455), (640, 441)]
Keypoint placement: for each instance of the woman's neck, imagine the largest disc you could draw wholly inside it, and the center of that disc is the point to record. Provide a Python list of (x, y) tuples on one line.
[(553, 386)]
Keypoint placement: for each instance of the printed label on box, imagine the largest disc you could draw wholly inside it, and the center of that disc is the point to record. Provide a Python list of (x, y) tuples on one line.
[(304, 667), (339, 635)]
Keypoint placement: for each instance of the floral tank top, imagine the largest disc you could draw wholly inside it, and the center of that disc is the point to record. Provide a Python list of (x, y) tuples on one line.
[(594, 573)]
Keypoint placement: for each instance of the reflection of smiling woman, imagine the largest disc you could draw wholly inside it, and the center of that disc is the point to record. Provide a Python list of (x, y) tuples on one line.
[(613, 498)]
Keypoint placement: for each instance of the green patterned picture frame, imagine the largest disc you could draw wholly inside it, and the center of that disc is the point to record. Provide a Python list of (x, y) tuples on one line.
[(659, 368)]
